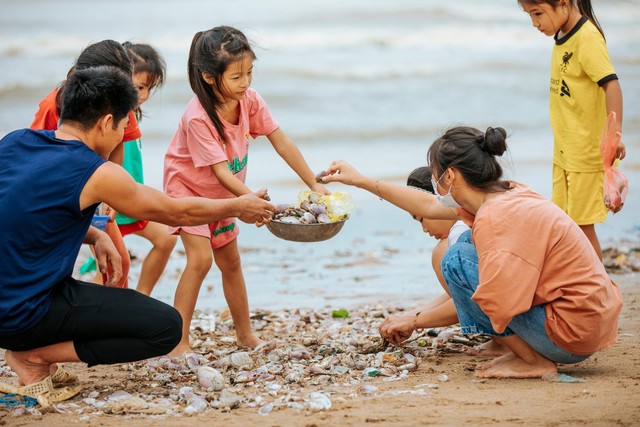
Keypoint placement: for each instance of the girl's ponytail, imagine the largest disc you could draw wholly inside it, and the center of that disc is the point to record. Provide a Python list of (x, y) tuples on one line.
[(197, 65), (585, 8), (192, 69)]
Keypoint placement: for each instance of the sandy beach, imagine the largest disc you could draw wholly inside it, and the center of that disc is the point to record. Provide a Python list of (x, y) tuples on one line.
[(442, 390), (373, 83)]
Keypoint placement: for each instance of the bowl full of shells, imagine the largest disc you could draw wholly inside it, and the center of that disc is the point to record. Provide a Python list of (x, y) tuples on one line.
[(313, 219)]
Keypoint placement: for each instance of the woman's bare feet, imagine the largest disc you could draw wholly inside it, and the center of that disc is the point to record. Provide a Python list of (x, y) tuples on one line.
[(29, 371), (511, 366), (489, 348)]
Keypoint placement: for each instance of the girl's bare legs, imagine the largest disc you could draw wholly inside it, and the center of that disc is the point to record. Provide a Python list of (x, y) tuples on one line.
[(590, 232), (235, 292), (33, 365), (199, 260), (521, 362), (156, 260), (436, 261)]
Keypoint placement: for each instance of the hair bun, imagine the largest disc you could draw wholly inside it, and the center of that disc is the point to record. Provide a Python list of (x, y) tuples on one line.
[(494, 141)]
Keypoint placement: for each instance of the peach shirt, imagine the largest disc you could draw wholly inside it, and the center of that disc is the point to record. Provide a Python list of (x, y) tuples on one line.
[(530, 253)]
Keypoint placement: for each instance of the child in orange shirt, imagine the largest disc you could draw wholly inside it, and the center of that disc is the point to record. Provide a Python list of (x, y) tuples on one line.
[(148, 74)]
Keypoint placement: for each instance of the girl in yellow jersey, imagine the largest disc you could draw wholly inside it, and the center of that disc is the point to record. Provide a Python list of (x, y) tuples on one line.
[(583, 89)]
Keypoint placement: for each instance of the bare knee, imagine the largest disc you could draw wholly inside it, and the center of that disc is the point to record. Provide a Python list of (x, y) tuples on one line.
[(166, 243), (199, 264), (227, 258)]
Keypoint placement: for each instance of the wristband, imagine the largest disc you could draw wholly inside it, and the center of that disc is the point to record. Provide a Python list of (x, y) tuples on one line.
[(415, 321), (378, 190)]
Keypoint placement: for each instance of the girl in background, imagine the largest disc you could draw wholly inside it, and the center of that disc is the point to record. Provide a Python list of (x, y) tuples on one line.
[(105, 52), (208, 157), (584, 88), (149, 72)]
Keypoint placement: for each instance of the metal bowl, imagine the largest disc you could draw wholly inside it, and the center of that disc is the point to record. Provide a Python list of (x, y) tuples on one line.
[(305, 232)]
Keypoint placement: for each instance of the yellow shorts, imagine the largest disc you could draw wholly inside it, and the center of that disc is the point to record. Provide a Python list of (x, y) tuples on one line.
[(580, 195)]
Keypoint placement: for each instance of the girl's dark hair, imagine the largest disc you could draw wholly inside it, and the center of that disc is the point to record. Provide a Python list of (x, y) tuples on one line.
[(584, 7), (421, 178), (106, 52), (92, 93), (146, 59), (211, 52), (473, 153)]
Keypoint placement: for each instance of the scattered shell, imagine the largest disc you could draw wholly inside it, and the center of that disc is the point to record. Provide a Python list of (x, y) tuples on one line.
[(244, 377), (229, 400), (304, 349), (210, 379), (375, 345), (196, 404), (319, 401), (368, 389), (266, 409), (321, 175), (241, 360)]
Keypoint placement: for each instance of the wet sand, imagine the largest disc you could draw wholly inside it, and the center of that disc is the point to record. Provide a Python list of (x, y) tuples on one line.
[(441, 391)]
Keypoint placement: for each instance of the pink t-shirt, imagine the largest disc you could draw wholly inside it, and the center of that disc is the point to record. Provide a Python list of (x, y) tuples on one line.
[(196, 146), (530, 253)]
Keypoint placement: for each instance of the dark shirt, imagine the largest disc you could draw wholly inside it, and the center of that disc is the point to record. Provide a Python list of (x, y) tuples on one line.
[(41, 224)]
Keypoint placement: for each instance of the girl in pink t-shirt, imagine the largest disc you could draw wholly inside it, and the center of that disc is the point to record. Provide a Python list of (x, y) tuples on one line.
[(207, 157)]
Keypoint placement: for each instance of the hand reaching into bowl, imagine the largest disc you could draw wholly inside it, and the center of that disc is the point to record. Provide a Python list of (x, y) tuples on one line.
[(341, 171)]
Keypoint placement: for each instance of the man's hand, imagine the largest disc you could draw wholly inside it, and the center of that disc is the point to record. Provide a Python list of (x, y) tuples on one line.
[(108, 259), (254, 209), (109, 211)]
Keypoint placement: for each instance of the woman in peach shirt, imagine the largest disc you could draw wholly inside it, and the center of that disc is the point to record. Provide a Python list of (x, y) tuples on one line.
[(525, 274)]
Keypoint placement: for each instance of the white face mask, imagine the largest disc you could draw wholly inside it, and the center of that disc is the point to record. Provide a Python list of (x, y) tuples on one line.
[(447, 200)]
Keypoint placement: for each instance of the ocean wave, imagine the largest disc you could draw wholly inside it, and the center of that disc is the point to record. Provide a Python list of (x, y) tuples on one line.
[(425, 38)]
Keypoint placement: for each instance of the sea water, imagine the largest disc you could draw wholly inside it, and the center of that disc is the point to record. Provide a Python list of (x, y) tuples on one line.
[(372, 82)]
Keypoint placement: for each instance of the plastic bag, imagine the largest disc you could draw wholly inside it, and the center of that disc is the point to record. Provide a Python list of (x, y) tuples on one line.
[(339, 203), (616, 185)]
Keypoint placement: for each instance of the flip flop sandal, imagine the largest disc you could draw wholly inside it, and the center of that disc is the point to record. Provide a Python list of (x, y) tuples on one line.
[(63, 377), (43, 391)]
